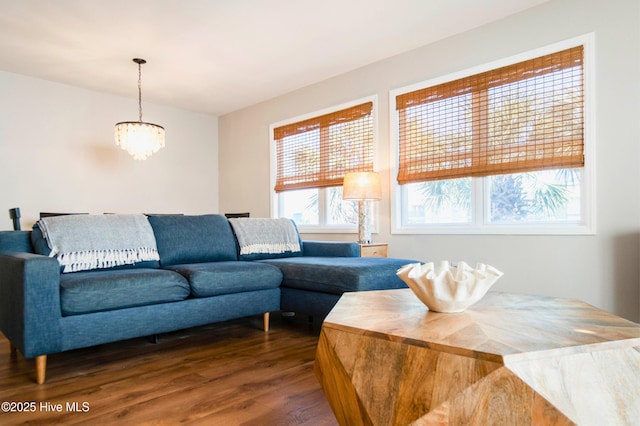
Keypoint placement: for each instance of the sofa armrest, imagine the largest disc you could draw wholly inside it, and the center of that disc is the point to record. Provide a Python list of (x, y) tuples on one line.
[(330, 249), (30, 313), (15, 241)]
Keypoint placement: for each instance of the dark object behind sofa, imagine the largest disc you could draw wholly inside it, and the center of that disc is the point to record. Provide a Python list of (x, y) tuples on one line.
[(14, 215), (236, 215)]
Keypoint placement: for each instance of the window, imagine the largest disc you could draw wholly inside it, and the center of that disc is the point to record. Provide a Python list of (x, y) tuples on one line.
[(497, 151), (312, 156)]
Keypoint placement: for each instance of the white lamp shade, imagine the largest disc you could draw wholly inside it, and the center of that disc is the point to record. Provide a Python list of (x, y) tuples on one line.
[(361, 186), (139, 139)]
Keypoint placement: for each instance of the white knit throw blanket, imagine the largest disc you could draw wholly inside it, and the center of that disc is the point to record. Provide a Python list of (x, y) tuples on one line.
[(256, 235), (83, 242)]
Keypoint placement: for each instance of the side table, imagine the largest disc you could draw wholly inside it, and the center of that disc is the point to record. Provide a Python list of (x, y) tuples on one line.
[(374, 250), (511, 359)]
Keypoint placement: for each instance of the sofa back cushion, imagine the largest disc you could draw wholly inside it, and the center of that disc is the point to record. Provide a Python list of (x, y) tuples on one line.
[(193, 239)]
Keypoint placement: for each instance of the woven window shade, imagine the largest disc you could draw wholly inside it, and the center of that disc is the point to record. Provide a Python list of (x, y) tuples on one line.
[(523, 117), (318, 152)]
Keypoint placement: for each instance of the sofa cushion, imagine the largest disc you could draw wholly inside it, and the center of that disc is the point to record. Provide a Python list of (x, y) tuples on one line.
[(193, 239), (95, 291), (215, 278), (336, 275)]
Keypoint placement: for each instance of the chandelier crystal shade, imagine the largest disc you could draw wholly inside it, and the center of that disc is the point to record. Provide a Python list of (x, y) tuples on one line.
[(138, 138)]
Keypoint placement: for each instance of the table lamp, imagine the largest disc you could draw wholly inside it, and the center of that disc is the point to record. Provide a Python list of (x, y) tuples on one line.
[(363, 187)]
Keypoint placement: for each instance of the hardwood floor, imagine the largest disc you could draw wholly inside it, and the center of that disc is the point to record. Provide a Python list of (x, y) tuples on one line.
[(221, 374)]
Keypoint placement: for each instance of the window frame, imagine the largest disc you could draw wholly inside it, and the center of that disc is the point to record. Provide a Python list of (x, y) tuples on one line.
[(480, 185), (323, 204)]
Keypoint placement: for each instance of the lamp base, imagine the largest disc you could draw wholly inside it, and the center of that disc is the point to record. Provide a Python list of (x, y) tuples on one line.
[(364, 222)]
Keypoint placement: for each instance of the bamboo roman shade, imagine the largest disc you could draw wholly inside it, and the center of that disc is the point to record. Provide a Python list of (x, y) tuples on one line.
[(523, 117), (318, 152)]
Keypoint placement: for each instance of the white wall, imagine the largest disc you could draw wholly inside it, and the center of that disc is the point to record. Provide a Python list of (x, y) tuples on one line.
[(57, 153), (601, 269)]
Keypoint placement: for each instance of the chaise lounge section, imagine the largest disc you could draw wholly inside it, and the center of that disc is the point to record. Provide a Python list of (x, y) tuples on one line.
[(197, 272)]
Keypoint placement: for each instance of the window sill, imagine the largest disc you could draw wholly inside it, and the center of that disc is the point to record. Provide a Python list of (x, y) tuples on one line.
[(496, 230), (331, 230)]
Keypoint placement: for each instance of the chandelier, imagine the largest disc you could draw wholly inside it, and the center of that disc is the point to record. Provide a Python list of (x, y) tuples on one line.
[(138, 138)]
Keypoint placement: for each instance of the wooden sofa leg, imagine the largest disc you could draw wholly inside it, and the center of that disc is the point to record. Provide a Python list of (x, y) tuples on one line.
[(41, 368), (265, 320)]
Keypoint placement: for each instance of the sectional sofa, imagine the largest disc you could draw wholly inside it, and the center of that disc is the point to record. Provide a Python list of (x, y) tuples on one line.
[(79, 281)]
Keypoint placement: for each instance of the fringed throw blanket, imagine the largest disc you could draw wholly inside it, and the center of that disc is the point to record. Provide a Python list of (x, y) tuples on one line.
[(83, 242), (265, 235)]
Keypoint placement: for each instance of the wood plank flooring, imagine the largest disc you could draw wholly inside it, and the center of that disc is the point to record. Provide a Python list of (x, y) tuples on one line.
[(231, 373)]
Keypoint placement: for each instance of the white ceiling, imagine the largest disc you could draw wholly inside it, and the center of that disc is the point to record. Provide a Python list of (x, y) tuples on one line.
[(216, 56)]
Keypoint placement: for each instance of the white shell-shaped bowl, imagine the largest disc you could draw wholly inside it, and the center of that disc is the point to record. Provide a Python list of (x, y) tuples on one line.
[(444, 288)]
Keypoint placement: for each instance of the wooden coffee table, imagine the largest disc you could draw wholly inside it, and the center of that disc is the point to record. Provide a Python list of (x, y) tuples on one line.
[(384, 359)]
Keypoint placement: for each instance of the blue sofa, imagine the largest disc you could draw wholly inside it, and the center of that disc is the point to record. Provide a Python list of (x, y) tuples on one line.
[(200, 277)]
